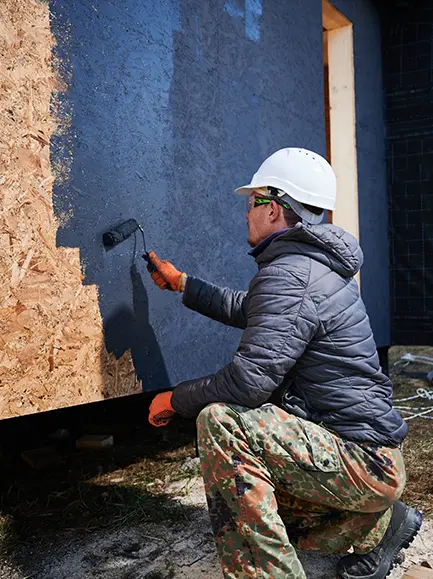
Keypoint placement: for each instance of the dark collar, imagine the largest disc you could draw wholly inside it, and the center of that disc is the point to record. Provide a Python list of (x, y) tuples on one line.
[(257, 250)]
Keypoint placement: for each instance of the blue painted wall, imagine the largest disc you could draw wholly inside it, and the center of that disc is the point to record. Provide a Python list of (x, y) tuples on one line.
[(175, 103)]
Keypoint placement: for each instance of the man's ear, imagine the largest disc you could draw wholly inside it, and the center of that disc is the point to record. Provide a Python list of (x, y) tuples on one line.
[(274, 211)]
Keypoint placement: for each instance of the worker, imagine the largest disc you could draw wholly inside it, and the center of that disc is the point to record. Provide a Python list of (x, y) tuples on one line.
[(300, 446)]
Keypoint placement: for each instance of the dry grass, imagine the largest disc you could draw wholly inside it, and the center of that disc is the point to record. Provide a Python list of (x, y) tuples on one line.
[(96, 491), (418, 447)]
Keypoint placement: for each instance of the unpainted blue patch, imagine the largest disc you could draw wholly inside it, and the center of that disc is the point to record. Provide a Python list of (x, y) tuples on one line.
[(234, 11), (253, 12), (199, 38)]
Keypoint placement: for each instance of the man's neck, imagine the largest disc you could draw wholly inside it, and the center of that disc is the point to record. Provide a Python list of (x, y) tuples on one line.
[(262, 245)]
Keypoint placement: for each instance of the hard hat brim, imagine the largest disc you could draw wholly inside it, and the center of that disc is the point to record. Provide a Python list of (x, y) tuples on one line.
[(246, 189)]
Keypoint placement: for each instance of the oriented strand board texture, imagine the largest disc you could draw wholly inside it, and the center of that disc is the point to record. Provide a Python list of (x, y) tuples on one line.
[(52, 352)]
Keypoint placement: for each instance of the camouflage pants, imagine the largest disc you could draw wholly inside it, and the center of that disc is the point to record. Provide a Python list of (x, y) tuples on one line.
[(274, 482)]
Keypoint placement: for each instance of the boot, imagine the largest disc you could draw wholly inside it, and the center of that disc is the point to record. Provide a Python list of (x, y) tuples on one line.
[(404, 525)]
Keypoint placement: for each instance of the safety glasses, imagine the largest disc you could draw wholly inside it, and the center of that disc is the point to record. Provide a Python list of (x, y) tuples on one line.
[(256, 201)]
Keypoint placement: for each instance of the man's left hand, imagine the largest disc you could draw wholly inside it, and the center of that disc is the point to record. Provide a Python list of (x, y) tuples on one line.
[(161, 411)]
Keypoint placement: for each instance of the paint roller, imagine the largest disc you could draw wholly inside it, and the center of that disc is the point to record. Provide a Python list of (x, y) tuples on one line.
[(122, 232)]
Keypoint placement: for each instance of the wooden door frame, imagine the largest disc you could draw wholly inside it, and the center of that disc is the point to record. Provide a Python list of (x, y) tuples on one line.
[(338, 55)]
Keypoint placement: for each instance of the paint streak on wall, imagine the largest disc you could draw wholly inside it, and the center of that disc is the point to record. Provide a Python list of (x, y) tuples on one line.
[(251, 14), (52, 352)]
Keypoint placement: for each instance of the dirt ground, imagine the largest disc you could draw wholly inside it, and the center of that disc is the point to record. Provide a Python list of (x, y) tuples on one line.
[(138, 510), (179, 550)]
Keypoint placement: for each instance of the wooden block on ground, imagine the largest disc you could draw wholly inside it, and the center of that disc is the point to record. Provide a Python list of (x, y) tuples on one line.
[(94, 442), (39, 458), (418, 572)]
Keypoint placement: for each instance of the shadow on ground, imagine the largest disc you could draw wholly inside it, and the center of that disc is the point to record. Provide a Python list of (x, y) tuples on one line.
[(83, 492)]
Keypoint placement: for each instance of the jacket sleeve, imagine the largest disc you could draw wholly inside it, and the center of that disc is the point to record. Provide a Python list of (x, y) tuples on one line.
[(221, 304), (282, 320)]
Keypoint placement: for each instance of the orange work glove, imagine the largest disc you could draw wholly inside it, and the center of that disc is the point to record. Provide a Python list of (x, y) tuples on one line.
[(161, 411), (166, 275)]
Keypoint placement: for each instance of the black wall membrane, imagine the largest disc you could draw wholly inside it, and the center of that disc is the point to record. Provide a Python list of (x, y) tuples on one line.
[(408, 49)]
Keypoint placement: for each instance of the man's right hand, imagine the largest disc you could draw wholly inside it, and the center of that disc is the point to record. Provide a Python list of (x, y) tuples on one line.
[(161, 411), (166, 275)]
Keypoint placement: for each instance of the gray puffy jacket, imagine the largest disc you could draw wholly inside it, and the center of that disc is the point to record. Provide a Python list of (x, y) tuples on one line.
[(307, 343)]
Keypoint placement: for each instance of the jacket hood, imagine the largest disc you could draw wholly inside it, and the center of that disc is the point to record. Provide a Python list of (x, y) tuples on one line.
[(325, 243)]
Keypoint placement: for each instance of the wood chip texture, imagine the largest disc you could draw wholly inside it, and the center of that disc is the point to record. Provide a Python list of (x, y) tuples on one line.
[(52, 351)]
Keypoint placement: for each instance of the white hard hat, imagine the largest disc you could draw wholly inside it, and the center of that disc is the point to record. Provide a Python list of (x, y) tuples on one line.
[(304, 176)]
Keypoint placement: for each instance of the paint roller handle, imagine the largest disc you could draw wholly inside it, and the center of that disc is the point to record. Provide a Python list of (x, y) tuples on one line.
[(150, 267), (164, 274)]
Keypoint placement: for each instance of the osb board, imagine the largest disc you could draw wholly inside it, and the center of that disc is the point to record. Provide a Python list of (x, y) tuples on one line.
[(52, 352)]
